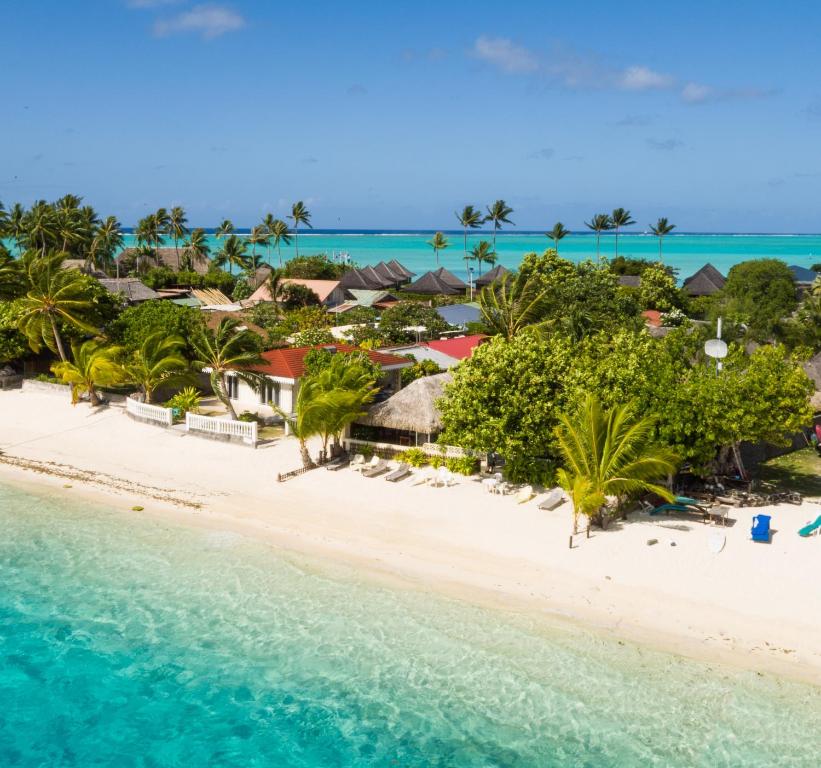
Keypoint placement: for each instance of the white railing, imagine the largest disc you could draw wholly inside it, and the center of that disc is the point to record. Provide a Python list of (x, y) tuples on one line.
[(149, 412), (431, 449), (246, 430), (450, 451)]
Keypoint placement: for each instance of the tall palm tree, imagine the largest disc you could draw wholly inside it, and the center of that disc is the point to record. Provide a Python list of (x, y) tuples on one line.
[(11, 278), (94, 365), (280, 234), (599, 223), (438, 243), (15, 224), (224, 229), (482, 254), (469, 218), (311, 406), (275, 284), (147, 232), (661, 228), (258, 236), (163, 220), (197, 248), (267, 224), (177, 229), (299, 215), (498, 213), (157, 362), (41, 227), (620, 218), (609, 454), (233, 253), (227, 349), (558, 233), (511, 304), (108, 240), (53, 294)]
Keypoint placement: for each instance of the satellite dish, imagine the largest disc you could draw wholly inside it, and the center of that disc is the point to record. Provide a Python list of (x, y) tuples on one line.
[(715, 348)]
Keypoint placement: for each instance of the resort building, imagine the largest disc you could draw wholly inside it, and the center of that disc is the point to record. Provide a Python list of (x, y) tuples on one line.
[(172, 258), (383, 276), (134, 291), (283, 370), (330, 293), (438, 282), (446, 353), (706, 282), (804, 278), (491, 276), (360, 297)]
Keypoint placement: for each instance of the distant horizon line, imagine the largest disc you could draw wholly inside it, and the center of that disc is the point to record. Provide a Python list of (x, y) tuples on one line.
[(508, 233)]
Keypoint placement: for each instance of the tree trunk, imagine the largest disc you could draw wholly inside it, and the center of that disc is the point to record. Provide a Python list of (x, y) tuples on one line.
[(303, 452), (617, 242), (57, 340), (739, 463), (93, 398), (222, 394), (296, 238)]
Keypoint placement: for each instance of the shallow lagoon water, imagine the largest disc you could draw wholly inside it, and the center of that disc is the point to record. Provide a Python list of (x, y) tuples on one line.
[(126, 641)]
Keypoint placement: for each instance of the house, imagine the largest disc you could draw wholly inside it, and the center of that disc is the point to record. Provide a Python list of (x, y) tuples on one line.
[(459, 315), (630, 281), (283, 369), (167, 257), (706, 282), (410, 417), (438, 282), (492, 276), (384, 275), (396, 277), (365, 298), (133, 290), (330, 293), (804, 279), (446, 353)]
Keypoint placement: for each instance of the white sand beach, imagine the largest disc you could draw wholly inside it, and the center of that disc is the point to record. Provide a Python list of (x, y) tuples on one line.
[(752, 605)]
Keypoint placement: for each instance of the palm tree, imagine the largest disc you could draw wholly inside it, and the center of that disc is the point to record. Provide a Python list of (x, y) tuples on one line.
[(620, 218), (278, 230), (227, 349), (275, 284), (157, 362), (299, 215), (258, 236), (10, 275), (41, 227), (558, 233), (142, 255), (108, 240), (233, 253), (599, 223), (54, 293), (15, 224), (177, 229), (307, 417), (438, 243), (197, 248), (94, 365), (498, 213), (482, 253), (163, 221), (661, 228), (148, 236), (267, 224), (224, 229), (511, 304), (609, 455), (469, 218)]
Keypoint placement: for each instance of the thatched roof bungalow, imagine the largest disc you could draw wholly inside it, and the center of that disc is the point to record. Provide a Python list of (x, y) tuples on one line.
[(706, 282), (491, 276), (438, 282)]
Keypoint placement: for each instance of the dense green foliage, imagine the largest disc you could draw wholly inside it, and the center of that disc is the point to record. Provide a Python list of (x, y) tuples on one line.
[(13, 344), (318, 267), (418, 370), (395, 319), (137, 323)]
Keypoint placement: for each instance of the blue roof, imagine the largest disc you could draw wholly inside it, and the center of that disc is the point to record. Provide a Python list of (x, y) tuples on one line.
[(459, 314), (802, 274)]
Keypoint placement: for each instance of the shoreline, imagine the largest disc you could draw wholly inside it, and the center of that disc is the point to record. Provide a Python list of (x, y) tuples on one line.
[(730, 640)]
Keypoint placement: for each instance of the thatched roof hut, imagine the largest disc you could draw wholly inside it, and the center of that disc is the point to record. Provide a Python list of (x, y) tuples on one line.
[(412, 409), (492, 276), (706, 282), (438, 281)]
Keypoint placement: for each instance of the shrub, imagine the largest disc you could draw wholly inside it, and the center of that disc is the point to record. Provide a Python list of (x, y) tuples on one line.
[(437, 461), (527, 469), (248, 416), (185, 401), (464, 465), (416, 457), (367, 451)]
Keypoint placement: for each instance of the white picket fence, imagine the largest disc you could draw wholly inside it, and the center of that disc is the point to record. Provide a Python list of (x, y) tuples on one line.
[(246, 430), (149, 412)]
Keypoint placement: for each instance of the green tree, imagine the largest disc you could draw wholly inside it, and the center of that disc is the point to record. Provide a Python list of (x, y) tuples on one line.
[(94, 365), (439, 242), (408, 314), (558, 233), (661, 228), (233, 253), (11, 276), (609, 454), (107, 242), (196, 249), (318, 267), (227, 349), (53, 294), (469, 218), (498, 214), (13, 344), (601, 222), (758, 293), (258, 236), (136, 324), (158, 362), (176, 229), (512, 304), (620, 218), (295, 295), (483, 254), (225, 229), (299, 215), (658, 290), (280, 235)]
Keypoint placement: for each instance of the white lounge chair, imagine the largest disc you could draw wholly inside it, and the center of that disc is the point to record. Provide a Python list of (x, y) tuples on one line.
[(552, 500), (376, 469), (359, 463), (444, 477), (525, 494)]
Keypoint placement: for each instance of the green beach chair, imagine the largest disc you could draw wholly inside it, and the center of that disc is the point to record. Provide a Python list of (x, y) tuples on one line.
[(811, 528)]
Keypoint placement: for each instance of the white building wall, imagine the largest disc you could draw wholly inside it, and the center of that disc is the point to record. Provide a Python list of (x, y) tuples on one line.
[(248, 399)]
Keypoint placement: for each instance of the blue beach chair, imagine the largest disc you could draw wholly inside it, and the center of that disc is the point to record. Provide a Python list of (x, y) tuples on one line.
[(761, 528)]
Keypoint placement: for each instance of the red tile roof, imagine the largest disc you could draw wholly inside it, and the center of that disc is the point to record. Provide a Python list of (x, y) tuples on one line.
[(459, 347), (289, 363), (652, 317)]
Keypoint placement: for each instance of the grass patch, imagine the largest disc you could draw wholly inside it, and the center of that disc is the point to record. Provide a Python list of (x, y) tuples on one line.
[(798, 471)]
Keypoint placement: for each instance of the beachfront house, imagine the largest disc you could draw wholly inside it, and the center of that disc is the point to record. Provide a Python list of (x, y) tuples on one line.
[(329, 293), (411, 417), (283, 369), (706, 282), (446, 353), (438, 282), (491, 276)]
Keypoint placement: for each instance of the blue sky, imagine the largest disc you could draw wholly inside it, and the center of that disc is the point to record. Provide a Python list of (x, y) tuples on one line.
[(393, 115)]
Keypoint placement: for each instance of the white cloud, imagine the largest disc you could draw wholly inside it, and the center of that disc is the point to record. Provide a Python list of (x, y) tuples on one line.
[(694, 93), (697, 93), (208, 21), (639, 78), (503, 53)]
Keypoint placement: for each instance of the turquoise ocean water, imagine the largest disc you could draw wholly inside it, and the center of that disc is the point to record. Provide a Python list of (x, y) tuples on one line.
[(129, 642), (685, 252)]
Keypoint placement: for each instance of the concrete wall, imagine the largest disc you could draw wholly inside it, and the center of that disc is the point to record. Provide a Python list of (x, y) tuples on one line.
[(248, 399)]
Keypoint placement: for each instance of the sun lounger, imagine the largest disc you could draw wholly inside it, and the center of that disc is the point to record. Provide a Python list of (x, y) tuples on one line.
[(552, 500), (443, 477), (400, 473), (811, 528), (375, 469), (337, 464), (524, 495), (761, 528), (358, 463)]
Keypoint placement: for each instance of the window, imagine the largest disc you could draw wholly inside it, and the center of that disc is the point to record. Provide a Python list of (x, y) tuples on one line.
[(269, 392), (233, 387)]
